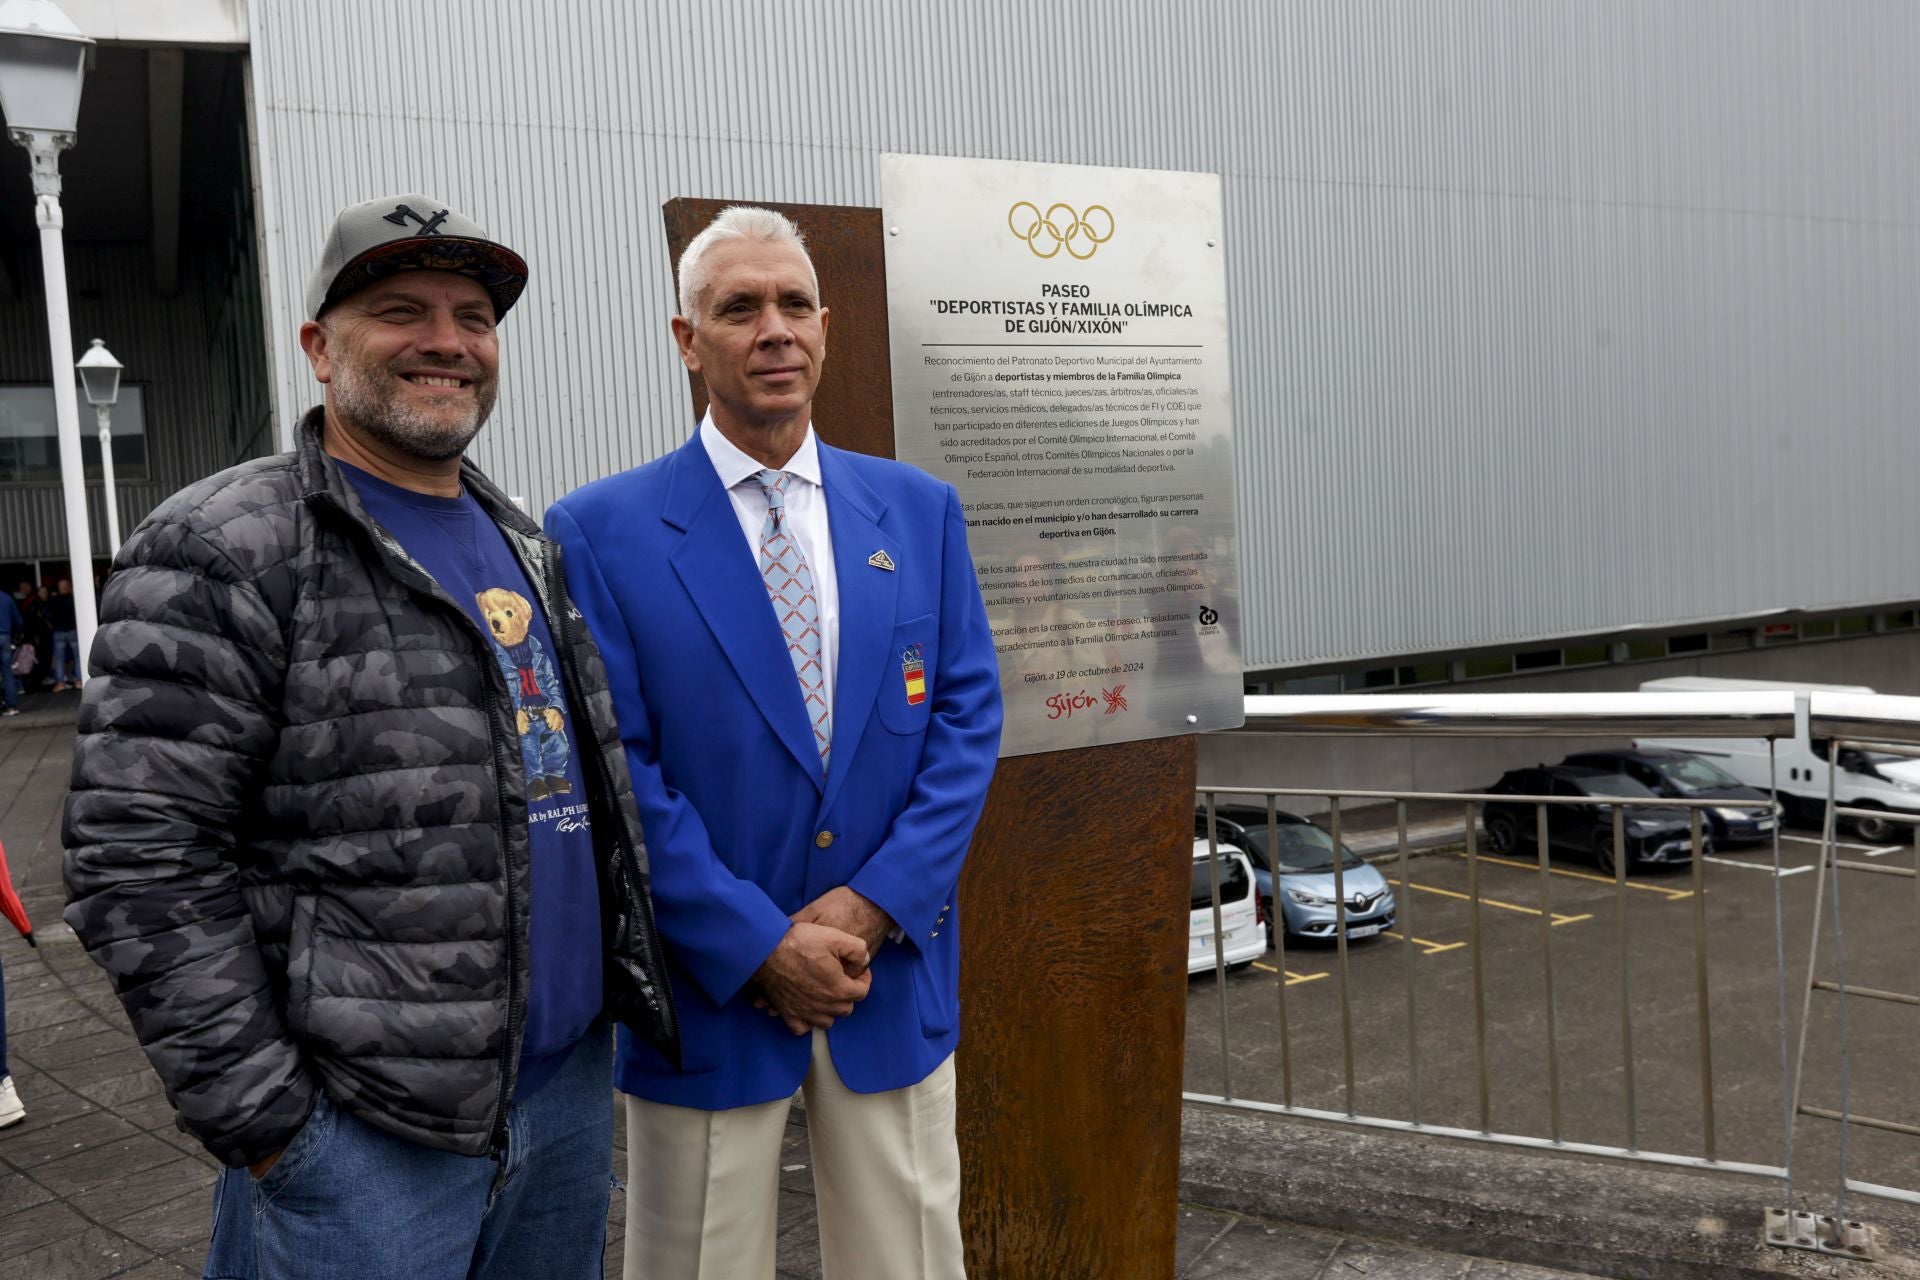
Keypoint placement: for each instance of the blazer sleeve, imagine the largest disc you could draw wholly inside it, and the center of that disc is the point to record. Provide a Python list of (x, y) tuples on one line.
[(722, 927), (912, 875)]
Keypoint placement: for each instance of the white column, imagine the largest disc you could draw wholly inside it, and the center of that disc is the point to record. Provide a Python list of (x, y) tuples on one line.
[(66, 408)]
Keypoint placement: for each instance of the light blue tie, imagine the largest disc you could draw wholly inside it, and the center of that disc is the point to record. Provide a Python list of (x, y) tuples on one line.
[(796, 605)]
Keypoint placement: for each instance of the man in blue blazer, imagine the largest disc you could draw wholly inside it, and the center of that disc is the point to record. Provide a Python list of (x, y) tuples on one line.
[(804, 677)]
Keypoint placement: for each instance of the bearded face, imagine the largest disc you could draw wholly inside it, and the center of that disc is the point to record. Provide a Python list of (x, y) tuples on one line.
[(412, 362)]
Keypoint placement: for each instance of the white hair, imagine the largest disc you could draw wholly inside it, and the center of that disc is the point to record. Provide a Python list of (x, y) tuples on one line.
[(737, 222)]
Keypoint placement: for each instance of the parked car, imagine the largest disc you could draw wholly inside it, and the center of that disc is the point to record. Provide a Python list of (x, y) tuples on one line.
[(1685, 776), (1798, 767), (1306, 874), (1243, 935), (1655, 836)]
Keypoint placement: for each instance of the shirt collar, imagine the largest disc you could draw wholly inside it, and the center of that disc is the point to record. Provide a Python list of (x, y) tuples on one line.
[(734, 466)]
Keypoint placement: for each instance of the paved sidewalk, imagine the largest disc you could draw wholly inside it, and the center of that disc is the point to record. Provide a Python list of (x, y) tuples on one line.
[(97, 1182)]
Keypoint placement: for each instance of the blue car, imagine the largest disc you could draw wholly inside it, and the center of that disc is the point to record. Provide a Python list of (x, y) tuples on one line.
[(1306, 897)]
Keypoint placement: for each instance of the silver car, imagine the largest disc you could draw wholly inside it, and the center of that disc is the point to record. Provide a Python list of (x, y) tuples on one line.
[(1305, 900)]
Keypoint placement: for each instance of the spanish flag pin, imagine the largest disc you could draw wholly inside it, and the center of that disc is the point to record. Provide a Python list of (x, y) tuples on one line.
[(913, 669)]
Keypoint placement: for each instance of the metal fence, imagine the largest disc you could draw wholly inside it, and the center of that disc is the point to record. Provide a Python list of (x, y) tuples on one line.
[(1836, 721)]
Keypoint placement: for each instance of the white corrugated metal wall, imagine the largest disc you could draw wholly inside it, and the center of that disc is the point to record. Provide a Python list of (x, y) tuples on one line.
[(1548, 317)]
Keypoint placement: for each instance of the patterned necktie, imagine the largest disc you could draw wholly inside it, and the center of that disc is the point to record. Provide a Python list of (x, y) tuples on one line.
[(796, 606)]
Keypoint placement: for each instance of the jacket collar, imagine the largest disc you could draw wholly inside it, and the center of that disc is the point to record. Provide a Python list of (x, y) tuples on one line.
[(321, 479)]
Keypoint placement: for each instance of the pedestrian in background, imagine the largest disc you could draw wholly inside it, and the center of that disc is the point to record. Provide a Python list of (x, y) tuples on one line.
[(12, 1111), (12, 626), (66, 638), (39, 635)]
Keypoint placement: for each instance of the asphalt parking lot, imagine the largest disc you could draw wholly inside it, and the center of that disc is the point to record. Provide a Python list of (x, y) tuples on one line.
[(1431, 950)]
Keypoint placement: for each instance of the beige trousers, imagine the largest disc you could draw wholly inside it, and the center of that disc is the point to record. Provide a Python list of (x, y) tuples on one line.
[(703, 1187)]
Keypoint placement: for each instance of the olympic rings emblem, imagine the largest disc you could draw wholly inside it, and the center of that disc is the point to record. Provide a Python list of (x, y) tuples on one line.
[(1047, 233)]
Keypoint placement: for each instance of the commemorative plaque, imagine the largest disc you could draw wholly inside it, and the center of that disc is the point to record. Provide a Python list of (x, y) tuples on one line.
[(1059, 346)]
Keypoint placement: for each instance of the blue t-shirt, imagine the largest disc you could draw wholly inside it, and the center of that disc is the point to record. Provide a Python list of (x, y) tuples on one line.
[(457, 543)]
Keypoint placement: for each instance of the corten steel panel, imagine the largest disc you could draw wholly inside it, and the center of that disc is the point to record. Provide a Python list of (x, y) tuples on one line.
[(853, 407), (1073, 978), (1073, 1014), (1546, 318)]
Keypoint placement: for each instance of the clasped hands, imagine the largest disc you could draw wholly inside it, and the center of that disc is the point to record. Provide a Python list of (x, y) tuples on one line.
[(819, 970)]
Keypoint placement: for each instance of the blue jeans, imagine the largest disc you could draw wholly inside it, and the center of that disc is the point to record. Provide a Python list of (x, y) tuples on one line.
[(9, 682), (66, 648), (347, 1199)]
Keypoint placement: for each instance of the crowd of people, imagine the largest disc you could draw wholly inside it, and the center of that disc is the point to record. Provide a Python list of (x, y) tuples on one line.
[(39, 642)]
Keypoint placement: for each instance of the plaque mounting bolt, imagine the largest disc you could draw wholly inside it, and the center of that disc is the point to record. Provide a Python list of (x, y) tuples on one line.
[(1211, 243), (894, 231), (1193, 719)]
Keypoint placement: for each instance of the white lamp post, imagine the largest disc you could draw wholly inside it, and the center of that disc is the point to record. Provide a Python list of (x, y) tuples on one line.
[(100, 379), (43, 60)]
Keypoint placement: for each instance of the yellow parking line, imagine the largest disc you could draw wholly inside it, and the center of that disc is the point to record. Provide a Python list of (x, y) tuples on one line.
[(1293, 979), (1672, 895), (1558, 919), (1430, 948)]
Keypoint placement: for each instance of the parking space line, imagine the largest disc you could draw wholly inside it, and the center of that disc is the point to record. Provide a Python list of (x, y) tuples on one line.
[(1758, 866), (1672, 895), (1558, 919), (1872, 851), (1293, 979), (1428, 947)]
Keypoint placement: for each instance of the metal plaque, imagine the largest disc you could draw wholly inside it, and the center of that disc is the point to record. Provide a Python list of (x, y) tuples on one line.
[(1059, 338)]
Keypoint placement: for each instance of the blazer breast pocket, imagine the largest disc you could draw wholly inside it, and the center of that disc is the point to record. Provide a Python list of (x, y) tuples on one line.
[(906, 686)]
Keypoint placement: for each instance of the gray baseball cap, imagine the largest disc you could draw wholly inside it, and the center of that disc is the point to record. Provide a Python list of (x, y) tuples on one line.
[(410, 233)]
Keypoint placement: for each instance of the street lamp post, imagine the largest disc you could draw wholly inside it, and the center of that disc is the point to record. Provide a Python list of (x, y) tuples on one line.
[(100, 379), (43, 61)]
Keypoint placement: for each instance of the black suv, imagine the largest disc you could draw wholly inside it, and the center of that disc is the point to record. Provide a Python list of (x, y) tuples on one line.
[(1655, 836), (1689, 777)]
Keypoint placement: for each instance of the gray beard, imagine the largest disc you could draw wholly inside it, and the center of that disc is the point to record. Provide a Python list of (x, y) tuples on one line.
[(373, 407)]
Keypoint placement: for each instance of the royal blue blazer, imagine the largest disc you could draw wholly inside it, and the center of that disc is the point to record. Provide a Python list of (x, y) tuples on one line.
[(742, 826)]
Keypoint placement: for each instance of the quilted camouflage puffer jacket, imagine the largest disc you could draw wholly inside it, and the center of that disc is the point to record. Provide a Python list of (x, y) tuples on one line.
[(296, 838)]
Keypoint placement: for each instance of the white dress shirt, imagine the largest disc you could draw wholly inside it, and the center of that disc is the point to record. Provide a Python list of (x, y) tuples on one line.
[(806, 522)]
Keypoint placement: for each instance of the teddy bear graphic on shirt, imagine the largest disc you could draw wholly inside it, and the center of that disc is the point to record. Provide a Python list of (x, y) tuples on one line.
[(537, 716)]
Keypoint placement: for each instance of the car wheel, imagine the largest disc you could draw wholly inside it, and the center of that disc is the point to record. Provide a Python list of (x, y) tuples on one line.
[(1874, 830), (1503, 832), (1603, 852), (1268, 904), (1236, 968)]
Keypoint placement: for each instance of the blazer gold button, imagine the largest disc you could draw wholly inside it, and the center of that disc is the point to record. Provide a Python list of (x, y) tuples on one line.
[(824, 839)]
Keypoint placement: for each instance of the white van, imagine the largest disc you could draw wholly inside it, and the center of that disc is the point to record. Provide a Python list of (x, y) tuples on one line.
[(1863, 780), (1243, 935)]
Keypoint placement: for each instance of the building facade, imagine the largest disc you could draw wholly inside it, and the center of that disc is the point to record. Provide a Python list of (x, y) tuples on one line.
[(1553, 325)]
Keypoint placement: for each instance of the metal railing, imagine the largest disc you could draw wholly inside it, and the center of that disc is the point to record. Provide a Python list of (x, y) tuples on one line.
[(1843, 720)]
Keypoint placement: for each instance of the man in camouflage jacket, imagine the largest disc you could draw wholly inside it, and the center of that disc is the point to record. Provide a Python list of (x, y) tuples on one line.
[(300, 837)]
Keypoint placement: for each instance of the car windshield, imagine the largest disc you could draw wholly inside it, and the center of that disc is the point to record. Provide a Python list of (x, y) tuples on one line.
[(1233, 882), (1691, 774), (1305, 848), (1609, 784)]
